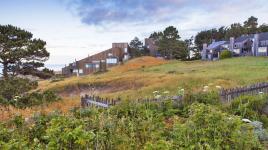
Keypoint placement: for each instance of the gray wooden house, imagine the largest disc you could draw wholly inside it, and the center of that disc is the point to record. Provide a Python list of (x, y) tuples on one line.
[(245, 45)]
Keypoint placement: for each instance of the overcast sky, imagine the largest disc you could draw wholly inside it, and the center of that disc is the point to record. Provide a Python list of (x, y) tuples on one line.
[(74, 29)]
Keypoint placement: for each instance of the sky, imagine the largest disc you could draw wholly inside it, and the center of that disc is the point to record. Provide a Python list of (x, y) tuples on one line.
[(74, 29)]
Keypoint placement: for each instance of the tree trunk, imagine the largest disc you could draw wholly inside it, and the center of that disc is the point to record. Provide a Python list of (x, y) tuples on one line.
[(5, 74)]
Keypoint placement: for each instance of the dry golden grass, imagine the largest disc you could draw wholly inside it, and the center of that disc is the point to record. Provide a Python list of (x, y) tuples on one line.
[(63, 106), (139, 77)]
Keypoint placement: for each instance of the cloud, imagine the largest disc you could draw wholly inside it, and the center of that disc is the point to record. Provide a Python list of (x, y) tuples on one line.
[(98, 12), (106, 12)]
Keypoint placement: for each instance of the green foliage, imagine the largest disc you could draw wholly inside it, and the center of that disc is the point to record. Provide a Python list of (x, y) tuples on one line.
[(20, 52), (249, 107), (135, 47), (66, 133), (209, 128), (170, 45), (225, 54), (30, 99), (211, 98), (15, 91), (131, 125), (12, 87), (34, 98)]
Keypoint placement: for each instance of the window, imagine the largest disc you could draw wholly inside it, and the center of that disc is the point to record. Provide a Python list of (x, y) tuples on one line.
[(111, 60), (126, 50), (89, 65), (263, 43), (262, 50)]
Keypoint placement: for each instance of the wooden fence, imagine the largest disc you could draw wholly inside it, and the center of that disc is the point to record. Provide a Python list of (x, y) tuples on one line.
[(228, 95), (96, 101)]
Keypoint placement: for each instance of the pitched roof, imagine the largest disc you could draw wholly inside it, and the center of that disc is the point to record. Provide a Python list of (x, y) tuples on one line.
[(244, 38), (263, 36), (216, 44)]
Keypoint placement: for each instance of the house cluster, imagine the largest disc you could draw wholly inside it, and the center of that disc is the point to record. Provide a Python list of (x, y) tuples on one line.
[(245, 45), (99, 62)]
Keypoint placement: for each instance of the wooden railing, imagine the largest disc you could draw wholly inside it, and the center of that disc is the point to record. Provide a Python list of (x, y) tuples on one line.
[(227, 95), (96, 101)]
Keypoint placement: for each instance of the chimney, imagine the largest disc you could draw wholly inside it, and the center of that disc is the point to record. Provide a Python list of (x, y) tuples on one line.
[(231, 46), (204, 51), (255, 46), (205, 46)]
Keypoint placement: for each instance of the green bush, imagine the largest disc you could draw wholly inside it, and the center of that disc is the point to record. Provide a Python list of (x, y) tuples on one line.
[(34, 98), (210, 128), (204, 97), (15, 87), (131, 125), (249, 107), (225, 54)]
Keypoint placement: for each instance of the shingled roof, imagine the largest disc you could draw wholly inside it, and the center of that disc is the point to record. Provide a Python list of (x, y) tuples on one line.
[(214, 45), (263, 36)]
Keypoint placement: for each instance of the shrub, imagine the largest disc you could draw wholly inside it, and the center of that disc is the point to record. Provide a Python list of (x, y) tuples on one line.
[(131, 125), (35, 98), (249, 107), (209, 128), (204, 97), (225, 54), (15, 87)]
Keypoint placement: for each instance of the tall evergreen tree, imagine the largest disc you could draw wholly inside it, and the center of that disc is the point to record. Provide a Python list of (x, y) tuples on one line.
[(263, 28), (251, 25), (136, 47), (19, 52), (170, 45), (235, 30)]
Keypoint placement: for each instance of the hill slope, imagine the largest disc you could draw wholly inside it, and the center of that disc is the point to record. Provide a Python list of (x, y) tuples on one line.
[(140, 77)]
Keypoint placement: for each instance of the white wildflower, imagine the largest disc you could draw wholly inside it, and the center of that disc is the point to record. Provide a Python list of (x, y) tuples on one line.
[(155, 92), (26, 119), (218, 87), (246, 120), (158, 96), (205, 89), (166, 92)]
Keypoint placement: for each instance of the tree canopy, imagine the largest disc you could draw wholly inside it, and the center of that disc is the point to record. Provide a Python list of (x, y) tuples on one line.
[(20, 53), (169, 43), (135, 47)]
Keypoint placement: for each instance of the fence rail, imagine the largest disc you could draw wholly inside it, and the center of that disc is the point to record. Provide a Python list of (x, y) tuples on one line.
[(96, 101), (227, 95)]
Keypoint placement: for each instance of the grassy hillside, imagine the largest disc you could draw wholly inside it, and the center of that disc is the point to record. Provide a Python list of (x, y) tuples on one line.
[(141, 76)]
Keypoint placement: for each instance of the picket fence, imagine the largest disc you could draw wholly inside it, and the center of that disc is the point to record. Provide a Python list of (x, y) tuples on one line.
[(227, 95)]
